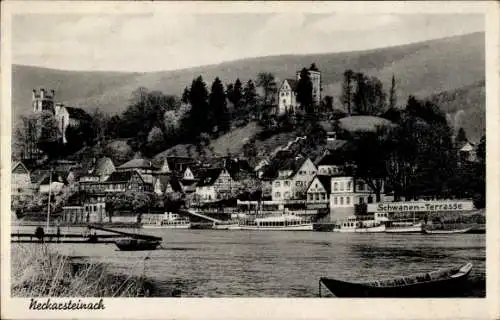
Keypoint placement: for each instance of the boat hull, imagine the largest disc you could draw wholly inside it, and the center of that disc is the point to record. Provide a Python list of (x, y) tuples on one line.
[(154, 226), (303, 227), (409, 229), (136, 244), (450, 286), (447, 231), (377, 229)]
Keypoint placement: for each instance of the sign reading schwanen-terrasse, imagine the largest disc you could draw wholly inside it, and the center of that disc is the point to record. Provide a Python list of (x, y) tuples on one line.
[(421, 206)]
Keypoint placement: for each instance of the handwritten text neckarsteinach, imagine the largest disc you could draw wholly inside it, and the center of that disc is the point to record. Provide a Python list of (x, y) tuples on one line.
[(67, 305)]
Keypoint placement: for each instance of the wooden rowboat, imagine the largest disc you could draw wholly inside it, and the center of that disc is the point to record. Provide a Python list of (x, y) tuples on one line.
[(441, 283), (131, 244), (453, 231)]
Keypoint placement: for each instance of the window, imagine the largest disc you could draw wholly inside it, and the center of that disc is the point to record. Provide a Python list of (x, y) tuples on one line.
[(360, 186), (335, 186), (284, 101), (298, 183), (277, 195), (341, 200), (287, 183), (349, 186), (334, 200), (347, 200), (316, 196), (277, 184), (342, 186), (311, 196), (323, 196)]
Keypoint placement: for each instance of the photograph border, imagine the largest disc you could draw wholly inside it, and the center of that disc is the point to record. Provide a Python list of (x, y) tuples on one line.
[(267, 308)]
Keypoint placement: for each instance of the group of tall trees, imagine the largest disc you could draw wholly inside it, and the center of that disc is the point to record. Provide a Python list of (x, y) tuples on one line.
[(416, 156), (365, 95)]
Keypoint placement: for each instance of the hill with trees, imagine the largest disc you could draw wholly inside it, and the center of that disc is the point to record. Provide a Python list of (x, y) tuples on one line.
[(442, 66)]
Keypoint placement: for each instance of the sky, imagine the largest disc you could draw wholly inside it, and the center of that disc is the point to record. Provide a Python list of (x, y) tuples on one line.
[(154, 41)]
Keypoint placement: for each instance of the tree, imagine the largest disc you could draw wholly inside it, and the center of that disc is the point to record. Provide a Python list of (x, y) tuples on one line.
[(347, 90), (313, 67), (49, 138), (304, 92), (328, 104), (267, 82), (461, 136), (196, 119), (219, 114), (392, 94), (185, 95), (481, 150), (25, 138), (237, 98), (250, 96)]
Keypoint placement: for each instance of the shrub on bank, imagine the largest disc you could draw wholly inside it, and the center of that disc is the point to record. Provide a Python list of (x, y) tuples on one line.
[(38, 272)]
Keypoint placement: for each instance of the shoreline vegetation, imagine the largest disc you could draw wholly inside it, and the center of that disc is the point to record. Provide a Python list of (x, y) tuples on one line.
[(37, 271)]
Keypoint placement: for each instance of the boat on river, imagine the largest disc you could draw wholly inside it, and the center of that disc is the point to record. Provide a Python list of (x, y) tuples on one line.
[(356, 224), (286, 222), (404, 227), (133, 244), (440, 283), (452, 231), (168, 221)]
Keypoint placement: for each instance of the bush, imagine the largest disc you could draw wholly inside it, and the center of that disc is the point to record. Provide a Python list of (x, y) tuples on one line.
[(38, 272)]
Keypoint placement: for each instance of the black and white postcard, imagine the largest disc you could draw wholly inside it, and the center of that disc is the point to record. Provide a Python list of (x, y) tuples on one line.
[(295, 160)]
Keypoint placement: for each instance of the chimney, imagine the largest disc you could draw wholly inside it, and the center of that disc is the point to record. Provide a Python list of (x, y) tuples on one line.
[(42, 93), (33, 95)]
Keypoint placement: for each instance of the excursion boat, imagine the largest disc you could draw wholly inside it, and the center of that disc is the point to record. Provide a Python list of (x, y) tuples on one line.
[(441, 283), (356, 224), (169, 221), (404, 227), (278, 223), (133, 244), (453, 231)]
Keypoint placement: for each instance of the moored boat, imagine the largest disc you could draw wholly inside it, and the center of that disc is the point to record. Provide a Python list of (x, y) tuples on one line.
[(278, 223), (168, 221), (453, 231), (404, 227), (132, 244), (440, 283), (356, 224)]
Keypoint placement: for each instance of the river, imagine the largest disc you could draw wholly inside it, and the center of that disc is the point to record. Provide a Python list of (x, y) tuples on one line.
[(211, 263)]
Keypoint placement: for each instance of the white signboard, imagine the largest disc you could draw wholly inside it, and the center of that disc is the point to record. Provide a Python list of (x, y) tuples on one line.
[(421, 206)]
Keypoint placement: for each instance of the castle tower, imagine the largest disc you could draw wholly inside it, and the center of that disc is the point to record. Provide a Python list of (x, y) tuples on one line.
[(315, 76), (43, 100)]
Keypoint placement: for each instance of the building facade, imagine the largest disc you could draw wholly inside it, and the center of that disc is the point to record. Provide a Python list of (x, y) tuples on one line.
[(292, 183), (348, 196), (21, 186)]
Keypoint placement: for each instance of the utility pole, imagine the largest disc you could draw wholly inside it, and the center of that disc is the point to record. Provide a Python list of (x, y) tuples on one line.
[(48, 203)]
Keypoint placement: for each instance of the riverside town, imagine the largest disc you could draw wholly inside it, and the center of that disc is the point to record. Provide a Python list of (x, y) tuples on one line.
[(352, 174)]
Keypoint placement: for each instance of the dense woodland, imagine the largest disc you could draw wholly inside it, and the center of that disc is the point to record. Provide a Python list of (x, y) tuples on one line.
[(416, 156)]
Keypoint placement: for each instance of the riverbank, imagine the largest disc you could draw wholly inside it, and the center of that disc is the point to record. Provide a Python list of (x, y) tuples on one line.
[(37, 271)]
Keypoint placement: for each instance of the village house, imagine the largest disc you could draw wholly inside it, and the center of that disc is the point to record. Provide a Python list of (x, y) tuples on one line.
[(319, 190), (348, 196), (142, 166), (165, 184), (21, 186), (103, 168), (467, 152), (294, 175), (330, 164), (215, 184)]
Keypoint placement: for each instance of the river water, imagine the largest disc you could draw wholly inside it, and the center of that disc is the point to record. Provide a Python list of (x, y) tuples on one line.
[(213, 263)]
